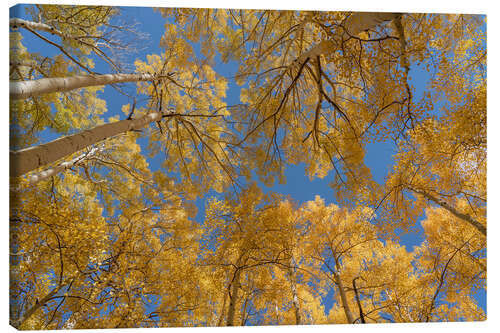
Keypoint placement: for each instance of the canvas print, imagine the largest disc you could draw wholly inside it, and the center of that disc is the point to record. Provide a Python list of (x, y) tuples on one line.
[(230, 167)]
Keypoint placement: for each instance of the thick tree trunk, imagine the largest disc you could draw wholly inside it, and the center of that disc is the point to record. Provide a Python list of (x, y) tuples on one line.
[(467, 218), (233, 297), (25, 160), (38, 177), (25, 89), (16, 23), (354, 24)]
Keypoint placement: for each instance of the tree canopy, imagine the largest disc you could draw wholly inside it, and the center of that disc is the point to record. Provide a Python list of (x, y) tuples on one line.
[(139, 180)]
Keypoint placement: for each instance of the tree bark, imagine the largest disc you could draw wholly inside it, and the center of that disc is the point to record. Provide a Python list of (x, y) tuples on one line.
[(25, 89), (353, 25), (340, 286), (295, 298), (343, 298), (360, 308), (38, 177), (233, 297), (465, 217), (296, 305), (25, 160), (16, 23)]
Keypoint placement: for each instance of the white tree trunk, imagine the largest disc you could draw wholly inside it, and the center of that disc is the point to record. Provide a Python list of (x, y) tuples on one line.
[(25, 89), (354, 24), (292, 270), (16, 23), (25, 160), (295, 301), (38, 177)]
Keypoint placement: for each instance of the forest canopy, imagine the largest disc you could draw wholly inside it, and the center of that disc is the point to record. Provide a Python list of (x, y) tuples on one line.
[(148, 147)]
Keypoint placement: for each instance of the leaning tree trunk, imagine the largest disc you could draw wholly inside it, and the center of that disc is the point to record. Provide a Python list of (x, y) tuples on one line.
[(353, 25), (38, 177), (25, 89), (358, 301), (25, 160), (465, 217), (15, 23)]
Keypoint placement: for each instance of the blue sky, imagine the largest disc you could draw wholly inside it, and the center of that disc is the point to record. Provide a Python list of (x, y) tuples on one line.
[(298, 186)]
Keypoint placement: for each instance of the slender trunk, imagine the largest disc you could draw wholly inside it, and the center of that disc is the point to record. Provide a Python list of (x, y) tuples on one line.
[(402, 43), (465, 217), (343, 297), (405, 64), (222, 311), (296, 305), (360, 308), (25, 89), (353, 25), (25, 160), (340, 286), (295, 298), (233, 298)]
